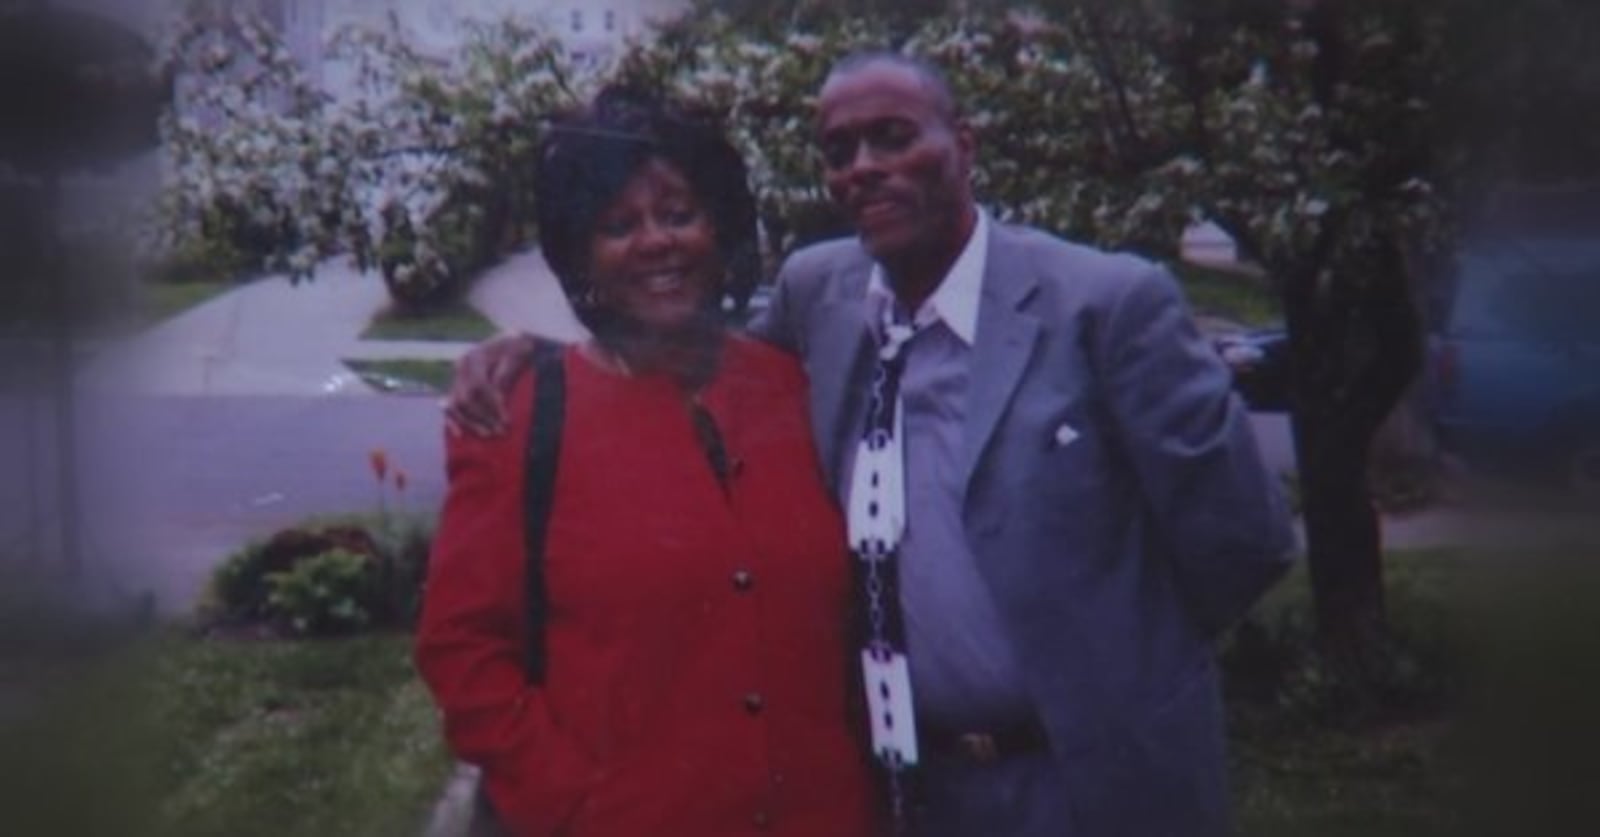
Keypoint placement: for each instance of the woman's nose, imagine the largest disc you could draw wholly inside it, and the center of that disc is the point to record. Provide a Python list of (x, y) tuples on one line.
[(653, 236)]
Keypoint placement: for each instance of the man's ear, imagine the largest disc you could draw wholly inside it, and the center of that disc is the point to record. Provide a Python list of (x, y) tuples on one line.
[(967, 143)]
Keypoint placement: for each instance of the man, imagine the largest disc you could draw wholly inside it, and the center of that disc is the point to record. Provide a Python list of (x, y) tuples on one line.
[(1043, 466)]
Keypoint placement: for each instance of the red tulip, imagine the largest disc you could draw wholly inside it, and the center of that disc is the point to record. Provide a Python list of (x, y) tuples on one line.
[(380, 463), (399, 480)]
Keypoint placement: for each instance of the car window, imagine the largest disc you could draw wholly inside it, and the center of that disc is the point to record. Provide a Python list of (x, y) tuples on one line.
[(1559, 307), (1543, 295), (1478, 283)]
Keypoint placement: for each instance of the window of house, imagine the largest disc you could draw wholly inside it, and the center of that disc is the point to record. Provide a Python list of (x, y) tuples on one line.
[(611, 20), (274, 12), (577, 20)]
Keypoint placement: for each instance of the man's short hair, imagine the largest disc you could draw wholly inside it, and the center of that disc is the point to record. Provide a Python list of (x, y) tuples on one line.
[(928, 73)]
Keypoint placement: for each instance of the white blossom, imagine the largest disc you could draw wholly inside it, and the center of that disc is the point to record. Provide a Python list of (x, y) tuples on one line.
[(804, 42)]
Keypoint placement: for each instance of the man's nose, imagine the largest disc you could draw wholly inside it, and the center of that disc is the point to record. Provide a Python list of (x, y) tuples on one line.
[(864, 163)]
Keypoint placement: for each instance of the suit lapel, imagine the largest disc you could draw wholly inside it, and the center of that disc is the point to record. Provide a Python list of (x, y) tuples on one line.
[(839, 379), (1005, 338)]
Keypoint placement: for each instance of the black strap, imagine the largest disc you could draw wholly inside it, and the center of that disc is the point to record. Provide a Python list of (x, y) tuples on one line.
[(544, 449), (710, 438)]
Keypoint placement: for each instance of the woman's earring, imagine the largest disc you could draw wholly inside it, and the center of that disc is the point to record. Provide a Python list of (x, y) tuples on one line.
[(588, 297)]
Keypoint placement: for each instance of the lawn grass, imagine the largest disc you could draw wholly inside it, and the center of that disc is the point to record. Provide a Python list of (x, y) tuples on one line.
[(1387, 774), (1484, 719), (455, 322), (259, 737), (1234, 296), (193, 736), (164, 300), (406, 375), (1394, 782)]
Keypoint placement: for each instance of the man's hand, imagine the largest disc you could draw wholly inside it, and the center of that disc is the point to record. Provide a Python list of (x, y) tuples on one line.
[(483, 379)]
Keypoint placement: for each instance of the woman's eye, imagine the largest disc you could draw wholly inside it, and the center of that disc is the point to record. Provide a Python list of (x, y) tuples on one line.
[(682, 216), (614, 228)]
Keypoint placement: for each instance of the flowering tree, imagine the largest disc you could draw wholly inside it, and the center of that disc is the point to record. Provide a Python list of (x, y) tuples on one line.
[(423, 172), (255, 166), (1325, 158), (447, 174)]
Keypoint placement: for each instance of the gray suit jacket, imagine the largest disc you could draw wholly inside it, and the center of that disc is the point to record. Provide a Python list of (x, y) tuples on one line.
[(1118, 549)]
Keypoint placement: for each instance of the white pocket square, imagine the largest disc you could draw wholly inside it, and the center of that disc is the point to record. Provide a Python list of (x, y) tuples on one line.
[(1065, 435)]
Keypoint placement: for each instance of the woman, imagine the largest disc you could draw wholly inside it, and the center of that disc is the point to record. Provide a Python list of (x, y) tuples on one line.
[(694, 565)]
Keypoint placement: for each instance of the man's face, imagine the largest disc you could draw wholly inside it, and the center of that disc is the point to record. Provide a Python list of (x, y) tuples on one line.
[(895, 162)]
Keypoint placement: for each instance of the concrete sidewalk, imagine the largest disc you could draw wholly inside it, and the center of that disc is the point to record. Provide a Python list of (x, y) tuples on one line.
[(271, 337), (521, 294), (267, 337)]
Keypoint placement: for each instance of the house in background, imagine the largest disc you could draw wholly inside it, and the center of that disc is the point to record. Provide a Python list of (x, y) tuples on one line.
[(1206, 243), (594, 32)]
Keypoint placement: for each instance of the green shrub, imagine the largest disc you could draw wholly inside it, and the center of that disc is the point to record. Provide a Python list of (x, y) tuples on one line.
[(240, 591), (275, 581), (202, 259), (238, 586), (403, 546), (330, 593), (426, 263)]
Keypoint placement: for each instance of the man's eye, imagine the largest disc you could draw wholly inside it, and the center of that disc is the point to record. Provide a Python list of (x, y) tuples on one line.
[(893, 137), (837, 153), (880, 139)]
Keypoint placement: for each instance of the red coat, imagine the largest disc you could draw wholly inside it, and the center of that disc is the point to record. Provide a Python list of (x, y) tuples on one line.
[(697, 661)]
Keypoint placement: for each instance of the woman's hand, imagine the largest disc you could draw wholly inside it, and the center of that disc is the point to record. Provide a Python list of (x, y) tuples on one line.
[(483, 378)]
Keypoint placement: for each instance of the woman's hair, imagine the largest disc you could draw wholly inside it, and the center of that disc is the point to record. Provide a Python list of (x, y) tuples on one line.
[(586, 160)]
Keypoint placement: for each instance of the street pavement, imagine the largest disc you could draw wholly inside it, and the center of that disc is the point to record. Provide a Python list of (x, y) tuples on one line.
[(183, 481)]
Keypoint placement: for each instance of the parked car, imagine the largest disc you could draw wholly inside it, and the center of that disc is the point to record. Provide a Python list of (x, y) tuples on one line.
[(1515, 362), (1259, 359)]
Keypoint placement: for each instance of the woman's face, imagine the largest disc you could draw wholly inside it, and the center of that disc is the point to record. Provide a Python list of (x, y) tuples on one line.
[(653, 255)]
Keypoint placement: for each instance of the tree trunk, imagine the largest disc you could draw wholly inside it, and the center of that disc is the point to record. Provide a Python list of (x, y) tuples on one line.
[(1355, 347), (1344, 541)]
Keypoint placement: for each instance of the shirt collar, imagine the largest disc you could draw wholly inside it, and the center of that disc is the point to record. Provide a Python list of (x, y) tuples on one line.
[(955, 300)]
